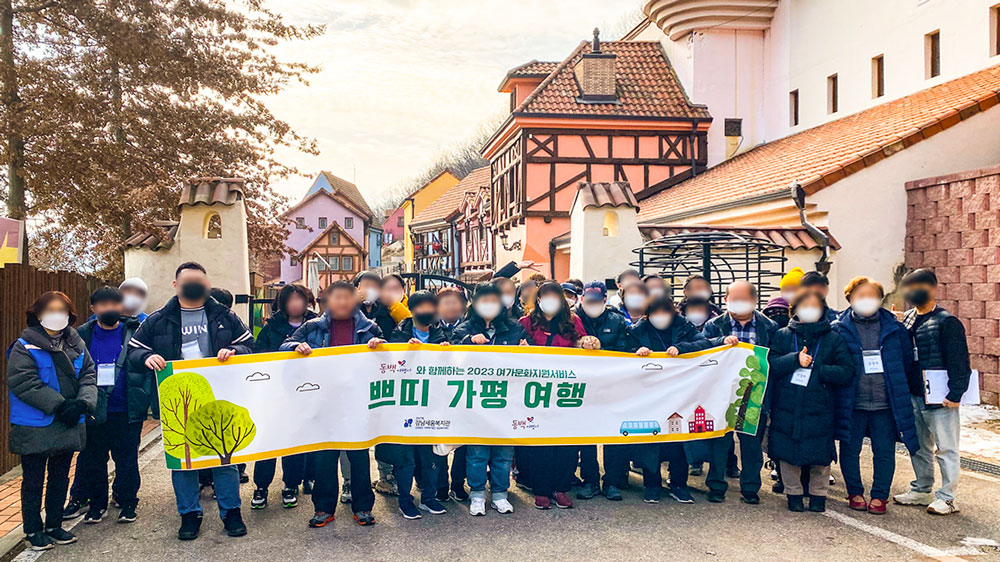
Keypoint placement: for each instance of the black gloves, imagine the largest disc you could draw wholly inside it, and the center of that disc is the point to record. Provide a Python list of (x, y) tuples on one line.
[(69, 411)]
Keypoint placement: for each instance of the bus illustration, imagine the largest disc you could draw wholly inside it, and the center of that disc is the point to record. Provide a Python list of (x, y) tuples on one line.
[(647, 426)]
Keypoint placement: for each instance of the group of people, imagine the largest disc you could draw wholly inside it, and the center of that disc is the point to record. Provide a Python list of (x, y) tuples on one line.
[(835, 376)]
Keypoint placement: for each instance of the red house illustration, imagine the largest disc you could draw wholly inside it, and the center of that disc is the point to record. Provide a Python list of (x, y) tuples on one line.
[(700, 422), (675, 423)]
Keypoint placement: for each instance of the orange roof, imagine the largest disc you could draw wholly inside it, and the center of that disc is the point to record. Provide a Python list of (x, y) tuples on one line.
[(647, 86), (825, 154), (600, 194), (452, 199)]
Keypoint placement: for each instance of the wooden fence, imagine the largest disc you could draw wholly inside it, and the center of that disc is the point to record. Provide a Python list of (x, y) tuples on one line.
[(20, 285)]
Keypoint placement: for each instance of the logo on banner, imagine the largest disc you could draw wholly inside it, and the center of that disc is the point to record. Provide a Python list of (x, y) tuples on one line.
[(399, 367), (526, 423), (424, 423)]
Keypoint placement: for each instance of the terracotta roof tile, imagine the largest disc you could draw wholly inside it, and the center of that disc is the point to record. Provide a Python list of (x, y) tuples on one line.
[(792, 238), (827, 153), (613, 194), (646, 83), (450, 200), (208, 191), (161, 237), (532, 68)]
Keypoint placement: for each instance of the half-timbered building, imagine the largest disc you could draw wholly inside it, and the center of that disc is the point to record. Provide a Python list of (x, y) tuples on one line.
[(472, 225), (337, 254), (610, 111)]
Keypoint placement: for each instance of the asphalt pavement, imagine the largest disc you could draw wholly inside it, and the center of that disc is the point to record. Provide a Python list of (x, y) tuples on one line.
[(595, 529)]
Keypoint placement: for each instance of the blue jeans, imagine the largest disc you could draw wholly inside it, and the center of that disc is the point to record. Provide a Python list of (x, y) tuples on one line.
[(938, 430), (402, 459), (880, 426), (499, 458), (188, 491)]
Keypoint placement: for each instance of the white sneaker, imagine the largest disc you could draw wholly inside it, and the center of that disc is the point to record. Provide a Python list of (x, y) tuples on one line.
[(502, 506), (942, 507), (914, 498), (477, 506)]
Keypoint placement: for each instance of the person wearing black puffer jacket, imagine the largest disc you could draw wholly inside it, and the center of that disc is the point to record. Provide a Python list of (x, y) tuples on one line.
[(293, 311), (809, 363)]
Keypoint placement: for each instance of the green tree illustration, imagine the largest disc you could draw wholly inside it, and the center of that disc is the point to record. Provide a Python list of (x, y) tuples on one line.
[(220, 428), (745, 410), (181, 394)]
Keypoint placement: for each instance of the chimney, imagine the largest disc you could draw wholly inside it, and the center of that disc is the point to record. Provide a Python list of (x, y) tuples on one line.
[(595, 73)]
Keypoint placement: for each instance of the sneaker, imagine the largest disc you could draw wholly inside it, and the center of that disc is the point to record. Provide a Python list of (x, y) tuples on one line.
[(433, 506), (114, 502), (259, 500), (914, 498), (732, 472), (477, 506), (716, 497), (697, 469), (613, 493), (587, 491), (94, 515), (681, 494), (386, 487), (307, 487), (233, 522), (60, 535), (443, 495), (651, 495), (562, 500), (127, 514), (750, 498), (409, 511), (39, 541), (320, 519), (190, 525), (459, 494), (857, 502), (542, 502), (290, 497), (877, 506), (817, 504), (74, 509), (243, 477), (364, 518), (832, 480), (774, 474), (778, 487), (942, 507), (502, 506), (795, 504)]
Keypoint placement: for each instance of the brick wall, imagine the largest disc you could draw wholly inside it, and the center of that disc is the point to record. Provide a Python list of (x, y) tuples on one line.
[(953, 227)]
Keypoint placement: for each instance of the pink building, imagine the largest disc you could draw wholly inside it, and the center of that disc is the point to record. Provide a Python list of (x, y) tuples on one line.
[(392, 228)]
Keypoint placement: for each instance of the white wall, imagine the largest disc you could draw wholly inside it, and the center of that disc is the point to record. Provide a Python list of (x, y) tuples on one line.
[(595, 256)]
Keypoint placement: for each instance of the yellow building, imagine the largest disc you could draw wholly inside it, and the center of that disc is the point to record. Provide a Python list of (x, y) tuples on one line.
[(417, 202)]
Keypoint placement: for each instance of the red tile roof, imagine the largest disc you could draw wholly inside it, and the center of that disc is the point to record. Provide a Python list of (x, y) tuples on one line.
[(532, 68), (450, 200), (647, 86), (211, 190), (161, 237), (613, 194), (822, 155)]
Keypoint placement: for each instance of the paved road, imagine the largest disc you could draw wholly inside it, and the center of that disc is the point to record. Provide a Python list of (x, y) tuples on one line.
[(595, 530)]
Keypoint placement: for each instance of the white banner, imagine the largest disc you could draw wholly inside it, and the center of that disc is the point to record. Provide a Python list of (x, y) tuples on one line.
[(254, 407)]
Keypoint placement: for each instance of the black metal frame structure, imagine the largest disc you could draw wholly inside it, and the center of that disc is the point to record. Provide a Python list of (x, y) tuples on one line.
[(721, 257)]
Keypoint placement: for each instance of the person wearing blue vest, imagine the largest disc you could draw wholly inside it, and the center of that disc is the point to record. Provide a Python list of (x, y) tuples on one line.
[(193, 325), (122, 404), (52, 384)]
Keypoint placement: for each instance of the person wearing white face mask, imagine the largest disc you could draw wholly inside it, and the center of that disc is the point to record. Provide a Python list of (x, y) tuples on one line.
[(487, 323), (134, 293), (743, 323), (877, 405), (809, 364), (635, 298), (53, 383), (656, 285), (572, 294)]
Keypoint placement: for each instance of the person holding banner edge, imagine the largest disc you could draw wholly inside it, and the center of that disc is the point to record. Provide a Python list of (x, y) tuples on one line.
[(193, 325), (342, 323)]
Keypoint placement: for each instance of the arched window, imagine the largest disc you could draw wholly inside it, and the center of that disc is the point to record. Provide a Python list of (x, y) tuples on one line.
[(213, 226), (610, 224)]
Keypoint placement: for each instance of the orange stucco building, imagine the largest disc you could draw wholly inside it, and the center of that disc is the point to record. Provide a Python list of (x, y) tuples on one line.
[(609, 112)]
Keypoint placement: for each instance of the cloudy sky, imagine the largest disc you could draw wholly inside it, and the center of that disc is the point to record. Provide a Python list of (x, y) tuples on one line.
[(403, 80)]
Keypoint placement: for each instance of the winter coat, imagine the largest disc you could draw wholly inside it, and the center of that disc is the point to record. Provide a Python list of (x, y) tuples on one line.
[(316, 332), (404, 332), (36, 392), (539, 335), (140, 384), (379, 314), (804, 418), (508, 331), (721, 326), (276, 330), (610, 327), (897, 359), (680, 334)]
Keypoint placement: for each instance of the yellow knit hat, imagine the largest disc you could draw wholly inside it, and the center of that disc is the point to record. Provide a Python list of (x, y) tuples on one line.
[(792, 278)]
